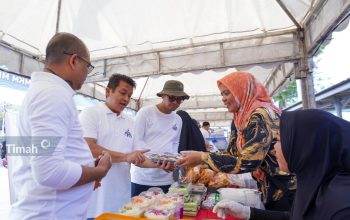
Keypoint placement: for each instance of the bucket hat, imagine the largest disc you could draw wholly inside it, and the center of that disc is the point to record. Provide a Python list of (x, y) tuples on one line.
[(173, 88)]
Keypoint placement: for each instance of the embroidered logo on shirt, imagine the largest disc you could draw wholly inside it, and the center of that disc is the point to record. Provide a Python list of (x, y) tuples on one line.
[(174, 127), (128, 133)]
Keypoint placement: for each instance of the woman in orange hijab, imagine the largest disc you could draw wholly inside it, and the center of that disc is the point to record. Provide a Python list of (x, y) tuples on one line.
[(254, 132)]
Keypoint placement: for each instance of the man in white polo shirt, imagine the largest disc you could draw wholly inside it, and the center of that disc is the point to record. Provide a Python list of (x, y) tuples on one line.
[(158, 128), (107, 128), (55, 185)]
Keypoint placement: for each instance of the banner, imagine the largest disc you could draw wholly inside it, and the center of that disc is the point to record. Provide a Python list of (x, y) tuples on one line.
[(13, 81)]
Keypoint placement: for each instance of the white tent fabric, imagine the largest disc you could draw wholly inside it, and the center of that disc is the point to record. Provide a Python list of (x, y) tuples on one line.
[(134, 25), (195, 41)]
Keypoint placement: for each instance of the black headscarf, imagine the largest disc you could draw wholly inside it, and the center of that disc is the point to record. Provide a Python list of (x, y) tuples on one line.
[(191, 137), (316, 145)]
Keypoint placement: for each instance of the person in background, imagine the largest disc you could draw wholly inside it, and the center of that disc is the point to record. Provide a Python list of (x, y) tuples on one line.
[(190, 138), (107, 128), (158, 128), (210, 146), (57, 184), (254, 132), (315, 145)]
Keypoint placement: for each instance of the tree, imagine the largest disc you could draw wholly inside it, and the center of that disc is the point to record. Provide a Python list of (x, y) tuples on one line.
[(287, 96)]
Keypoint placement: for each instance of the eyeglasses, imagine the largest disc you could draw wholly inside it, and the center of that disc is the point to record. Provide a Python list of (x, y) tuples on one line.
[(178, 99), (89, 66)]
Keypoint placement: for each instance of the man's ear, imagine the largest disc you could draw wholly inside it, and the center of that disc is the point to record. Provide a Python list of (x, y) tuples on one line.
[(108, 91), (72, 60)]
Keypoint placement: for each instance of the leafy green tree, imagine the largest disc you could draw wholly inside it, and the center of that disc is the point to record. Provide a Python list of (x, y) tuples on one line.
[(287, 96)]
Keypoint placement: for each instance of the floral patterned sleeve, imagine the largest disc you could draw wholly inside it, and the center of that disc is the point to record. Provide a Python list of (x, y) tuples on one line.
[(258, 137)]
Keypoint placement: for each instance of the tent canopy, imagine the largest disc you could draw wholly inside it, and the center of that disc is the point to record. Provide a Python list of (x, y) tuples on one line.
[(194, 41)]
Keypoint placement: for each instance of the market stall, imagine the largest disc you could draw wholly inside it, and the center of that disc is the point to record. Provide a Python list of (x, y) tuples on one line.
[(193, 196)]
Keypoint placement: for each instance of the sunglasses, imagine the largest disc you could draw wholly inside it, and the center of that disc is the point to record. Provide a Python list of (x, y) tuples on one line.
[(89, 65), (178, 99)]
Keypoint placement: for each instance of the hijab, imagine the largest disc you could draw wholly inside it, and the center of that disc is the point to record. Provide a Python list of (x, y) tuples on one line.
[(191, 137), (316, 145), (251, 95)]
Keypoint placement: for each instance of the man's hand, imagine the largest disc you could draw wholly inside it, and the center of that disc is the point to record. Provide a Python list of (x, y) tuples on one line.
[(166, 166), (104, 163), (137, 157), (189, 158)]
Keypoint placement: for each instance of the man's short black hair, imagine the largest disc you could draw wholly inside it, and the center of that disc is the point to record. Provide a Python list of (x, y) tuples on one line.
[(116, 78), (205, 123)]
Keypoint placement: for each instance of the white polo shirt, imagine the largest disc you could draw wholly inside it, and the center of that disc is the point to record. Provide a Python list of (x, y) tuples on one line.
[(160, 133), (43, 184), (114, 132)]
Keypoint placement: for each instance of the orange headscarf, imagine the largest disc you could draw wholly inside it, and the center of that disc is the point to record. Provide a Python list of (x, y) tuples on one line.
[(251, 95)]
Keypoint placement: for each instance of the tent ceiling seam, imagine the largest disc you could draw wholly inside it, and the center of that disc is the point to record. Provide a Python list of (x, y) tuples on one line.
[(207, 43)]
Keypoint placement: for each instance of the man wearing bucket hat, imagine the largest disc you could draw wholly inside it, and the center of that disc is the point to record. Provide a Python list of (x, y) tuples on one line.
[(158, 128)]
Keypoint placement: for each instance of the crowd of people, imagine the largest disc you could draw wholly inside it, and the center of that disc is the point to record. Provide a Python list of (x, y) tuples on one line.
[(300, 160)]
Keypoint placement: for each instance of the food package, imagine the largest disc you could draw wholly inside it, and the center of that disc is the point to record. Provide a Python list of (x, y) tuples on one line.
[(160, 157), (191, 205), (192, 175), (129, 210), (153, 192), (155, 213), (180, 188), (220, 180), (209, 202), (248, 197), (205, 176), (142, 201), (198, 188)]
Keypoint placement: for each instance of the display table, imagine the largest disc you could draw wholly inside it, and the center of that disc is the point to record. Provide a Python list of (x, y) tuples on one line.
[(207, 214), (202, 214)]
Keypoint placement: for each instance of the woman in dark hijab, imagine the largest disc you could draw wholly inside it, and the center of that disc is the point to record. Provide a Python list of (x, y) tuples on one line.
[(191, 137), (315, 145)]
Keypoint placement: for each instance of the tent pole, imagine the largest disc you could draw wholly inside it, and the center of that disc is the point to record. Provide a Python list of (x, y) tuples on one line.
[(291, 17), (303, 71), (58, 16), (308, 92), (138, 101), (338, 107)]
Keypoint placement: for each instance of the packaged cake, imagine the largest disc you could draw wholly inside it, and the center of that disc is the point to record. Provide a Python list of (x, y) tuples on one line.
[(130, 210), (159, 214), (142, 201)]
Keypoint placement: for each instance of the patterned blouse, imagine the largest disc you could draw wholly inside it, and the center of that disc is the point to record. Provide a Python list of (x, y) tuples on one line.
[(258, 155)]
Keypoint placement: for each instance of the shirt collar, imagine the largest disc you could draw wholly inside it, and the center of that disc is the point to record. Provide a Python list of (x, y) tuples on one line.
[(107, 110), (47, 76)]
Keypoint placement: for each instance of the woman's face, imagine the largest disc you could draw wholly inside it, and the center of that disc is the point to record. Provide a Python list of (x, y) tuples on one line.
[(231, 101), (282, 163)]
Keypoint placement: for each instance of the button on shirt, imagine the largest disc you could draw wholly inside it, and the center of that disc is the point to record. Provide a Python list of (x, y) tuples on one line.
[(43, 184), (114, 132)]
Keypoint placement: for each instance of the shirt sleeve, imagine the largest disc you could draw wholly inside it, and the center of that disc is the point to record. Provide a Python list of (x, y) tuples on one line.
[(51, 116), (257, 136), (89, 122), (259, 214), (140, 129)]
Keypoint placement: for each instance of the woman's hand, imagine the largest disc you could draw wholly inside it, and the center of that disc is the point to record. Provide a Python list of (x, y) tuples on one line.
[(190, 158), (232, 208)]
